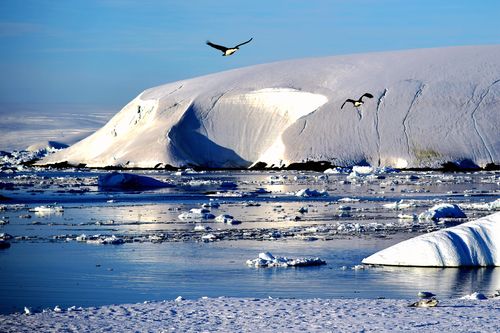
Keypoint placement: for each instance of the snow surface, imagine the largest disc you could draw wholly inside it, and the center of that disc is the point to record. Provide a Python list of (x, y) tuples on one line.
[(265, 315), (431, 106), (476, 243)]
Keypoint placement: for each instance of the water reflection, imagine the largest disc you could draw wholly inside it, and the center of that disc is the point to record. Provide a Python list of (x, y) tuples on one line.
[(451, 282)]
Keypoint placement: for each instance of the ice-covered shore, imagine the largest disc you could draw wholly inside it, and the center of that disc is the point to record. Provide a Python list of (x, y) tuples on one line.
[(266, 315)]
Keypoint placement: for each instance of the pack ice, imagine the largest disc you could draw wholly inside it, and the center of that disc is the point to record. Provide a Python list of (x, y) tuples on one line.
[(430, 106), (476, 243)]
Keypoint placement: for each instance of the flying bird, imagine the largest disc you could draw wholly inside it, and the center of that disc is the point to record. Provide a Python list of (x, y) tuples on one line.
[(358, 102), (227, 51)]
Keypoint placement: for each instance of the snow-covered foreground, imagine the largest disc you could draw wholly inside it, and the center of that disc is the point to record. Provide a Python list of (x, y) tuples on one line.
[(267, 315), (430, 107)]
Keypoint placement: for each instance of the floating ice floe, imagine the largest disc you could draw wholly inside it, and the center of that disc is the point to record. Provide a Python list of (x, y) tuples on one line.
[(47, 209), (228, 219), (211, 204), (407, 216), (476, 243), (266, 259), (336, 171), (306, 192), (101, 239), (209, 238), (197, 214), (475, 296), (200, 227), (118, 180), (442, 211), (494, 205), (398, 205), (348, 200)]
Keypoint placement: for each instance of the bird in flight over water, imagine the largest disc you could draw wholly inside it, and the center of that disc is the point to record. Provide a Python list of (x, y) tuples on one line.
[(227, 51), (359, 102)]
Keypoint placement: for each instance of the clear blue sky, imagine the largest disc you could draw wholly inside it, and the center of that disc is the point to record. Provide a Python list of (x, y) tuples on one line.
[(104, 53)]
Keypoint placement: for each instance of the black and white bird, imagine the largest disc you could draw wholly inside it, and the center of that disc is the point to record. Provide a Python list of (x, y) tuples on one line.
[(227, 51), (359, 102)]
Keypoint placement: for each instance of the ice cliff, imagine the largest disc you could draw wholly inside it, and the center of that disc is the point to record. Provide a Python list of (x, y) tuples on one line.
[(430, 106)]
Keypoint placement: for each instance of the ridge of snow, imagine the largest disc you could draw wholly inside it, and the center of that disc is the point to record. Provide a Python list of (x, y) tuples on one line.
[(475, 243), (430, 106)]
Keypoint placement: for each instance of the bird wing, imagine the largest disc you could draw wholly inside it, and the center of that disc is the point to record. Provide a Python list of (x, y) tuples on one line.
[(347, 100), (366, 95), (248, 41), (218, 47)]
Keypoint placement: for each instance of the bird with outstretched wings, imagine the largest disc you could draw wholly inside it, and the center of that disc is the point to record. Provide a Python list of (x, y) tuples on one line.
[(357, 102), (227, 51)]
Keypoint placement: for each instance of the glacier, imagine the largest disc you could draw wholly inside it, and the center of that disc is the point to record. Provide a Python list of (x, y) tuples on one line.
[(475, 243), (430, 107)]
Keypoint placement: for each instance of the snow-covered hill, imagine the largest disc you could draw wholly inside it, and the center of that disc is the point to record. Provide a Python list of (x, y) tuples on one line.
[(430, 106)]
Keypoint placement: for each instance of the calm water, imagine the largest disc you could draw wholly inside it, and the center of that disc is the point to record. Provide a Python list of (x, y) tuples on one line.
[(48, 274), (43, 272)]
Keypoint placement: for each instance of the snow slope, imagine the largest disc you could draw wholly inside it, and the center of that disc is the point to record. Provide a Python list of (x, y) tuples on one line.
[(430, 106), (476, 243)]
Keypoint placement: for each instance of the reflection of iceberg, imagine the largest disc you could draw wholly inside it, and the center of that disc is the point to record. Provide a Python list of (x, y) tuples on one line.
[(475, 243), (452, 282)]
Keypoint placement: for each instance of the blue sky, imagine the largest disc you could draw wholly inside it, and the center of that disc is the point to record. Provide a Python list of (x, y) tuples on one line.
[(103, 53)]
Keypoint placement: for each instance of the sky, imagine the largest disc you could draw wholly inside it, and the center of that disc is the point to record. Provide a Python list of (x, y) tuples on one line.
[(100, 54)]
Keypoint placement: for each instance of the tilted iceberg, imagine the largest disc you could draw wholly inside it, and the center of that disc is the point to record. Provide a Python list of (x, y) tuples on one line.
[(475, 243)]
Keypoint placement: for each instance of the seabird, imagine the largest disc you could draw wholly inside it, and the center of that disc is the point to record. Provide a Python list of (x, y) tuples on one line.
[(358, 102), (227, 51)]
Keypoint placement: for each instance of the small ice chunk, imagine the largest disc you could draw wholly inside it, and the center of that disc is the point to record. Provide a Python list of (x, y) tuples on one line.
[(266, 256), (306, 192), (475, 296)]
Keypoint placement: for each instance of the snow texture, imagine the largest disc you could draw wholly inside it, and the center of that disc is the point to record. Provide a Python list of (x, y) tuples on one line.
[(265, 315), (431, 106), (476, 243)]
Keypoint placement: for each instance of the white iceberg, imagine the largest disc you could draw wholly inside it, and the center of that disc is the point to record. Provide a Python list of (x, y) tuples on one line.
[(443, 210), (430, 106), (476, 243), (119, 180)]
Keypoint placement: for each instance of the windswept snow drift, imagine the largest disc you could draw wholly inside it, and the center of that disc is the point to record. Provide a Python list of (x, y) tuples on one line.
[(476, 243), (430, 107)]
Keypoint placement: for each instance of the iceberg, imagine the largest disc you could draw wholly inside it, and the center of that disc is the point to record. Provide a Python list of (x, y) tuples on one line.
[(475, 243), (117, 180), (430, 107)]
